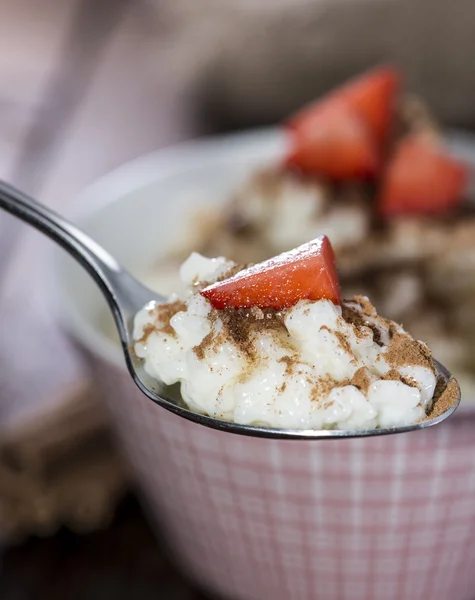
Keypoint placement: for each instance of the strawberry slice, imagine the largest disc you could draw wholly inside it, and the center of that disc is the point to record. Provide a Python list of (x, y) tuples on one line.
[(340, 147), (421, 179), (349, 127), (308, 272), (371, 96)]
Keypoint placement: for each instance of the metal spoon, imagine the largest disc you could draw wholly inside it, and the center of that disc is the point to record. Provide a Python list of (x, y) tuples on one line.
[(126, 296)]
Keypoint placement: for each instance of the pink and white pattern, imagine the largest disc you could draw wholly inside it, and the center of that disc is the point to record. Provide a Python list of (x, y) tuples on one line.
[(390, 518)]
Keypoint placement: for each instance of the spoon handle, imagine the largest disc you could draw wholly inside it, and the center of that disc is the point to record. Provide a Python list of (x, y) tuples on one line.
[(118, 286)]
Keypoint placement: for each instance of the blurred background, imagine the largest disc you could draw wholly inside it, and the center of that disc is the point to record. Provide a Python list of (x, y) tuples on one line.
[(86, 85)]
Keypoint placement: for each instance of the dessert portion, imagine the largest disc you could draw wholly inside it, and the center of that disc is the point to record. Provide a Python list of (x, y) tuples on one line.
[(273, 344), (366, 165)]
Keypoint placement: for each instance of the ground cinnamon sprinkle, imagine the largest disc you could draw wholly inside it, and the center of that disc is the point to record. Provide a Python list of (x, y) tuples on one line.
[(352, 316), (447, 397), (410, 381), (404, 351), (240, 326), (321, 387), (163, 314), (289, 364), (367, 307), (342, 340), (393, 375), (147, 330), (361, 379), (362, 325), (206, 342)]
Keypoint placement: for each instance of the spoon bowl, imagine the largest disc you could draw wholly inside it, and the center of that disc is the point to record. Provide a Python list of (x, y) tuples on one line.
[(126, 296)]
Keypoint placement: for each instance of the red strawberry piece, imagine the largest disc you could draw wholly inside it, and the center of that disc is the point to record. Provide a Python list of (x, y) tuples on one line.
[(343, 135), (373, 97), (340, 147), (421, 179), (308, 272)]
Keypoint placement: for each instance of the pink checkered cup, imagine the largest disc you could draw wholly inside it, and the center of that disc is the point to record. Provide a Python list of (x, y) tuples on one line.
[(382, 518)]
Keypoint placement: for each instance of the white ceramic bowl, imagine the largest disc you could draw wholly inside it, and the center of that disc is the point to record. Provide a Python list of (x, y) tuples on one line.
[(385, 519)]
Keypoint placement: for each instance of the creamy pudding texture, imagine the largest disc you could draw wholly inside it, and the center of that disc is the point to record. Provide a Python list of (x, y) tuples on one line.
[(312, 366)]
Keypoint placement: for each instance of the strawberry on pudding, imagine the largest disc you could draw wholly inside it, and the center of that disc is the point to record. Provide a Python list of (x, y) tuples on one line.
[(274, 344)]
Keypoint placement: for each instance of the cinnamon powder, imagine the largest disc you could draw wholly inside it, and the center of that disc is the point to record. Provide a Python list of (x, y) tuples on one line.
[(364, 321), (446, 396), (344, 343), (368, 309), (321, 387), (147, 330), (405, 351), (242, 324), (206, 342), (393, 375), (361, 379), (163, 314), (289, 364), (352, 316), (239, 326)]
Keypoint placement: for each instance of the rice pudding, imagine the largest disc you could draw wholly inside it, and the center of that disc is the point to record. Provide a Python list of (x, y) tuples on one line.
[(273, 344)]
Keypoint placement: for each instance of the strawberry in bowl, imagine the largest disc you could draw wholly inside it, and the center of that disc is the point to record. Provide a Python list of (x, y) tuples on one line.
[(344, 136)]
